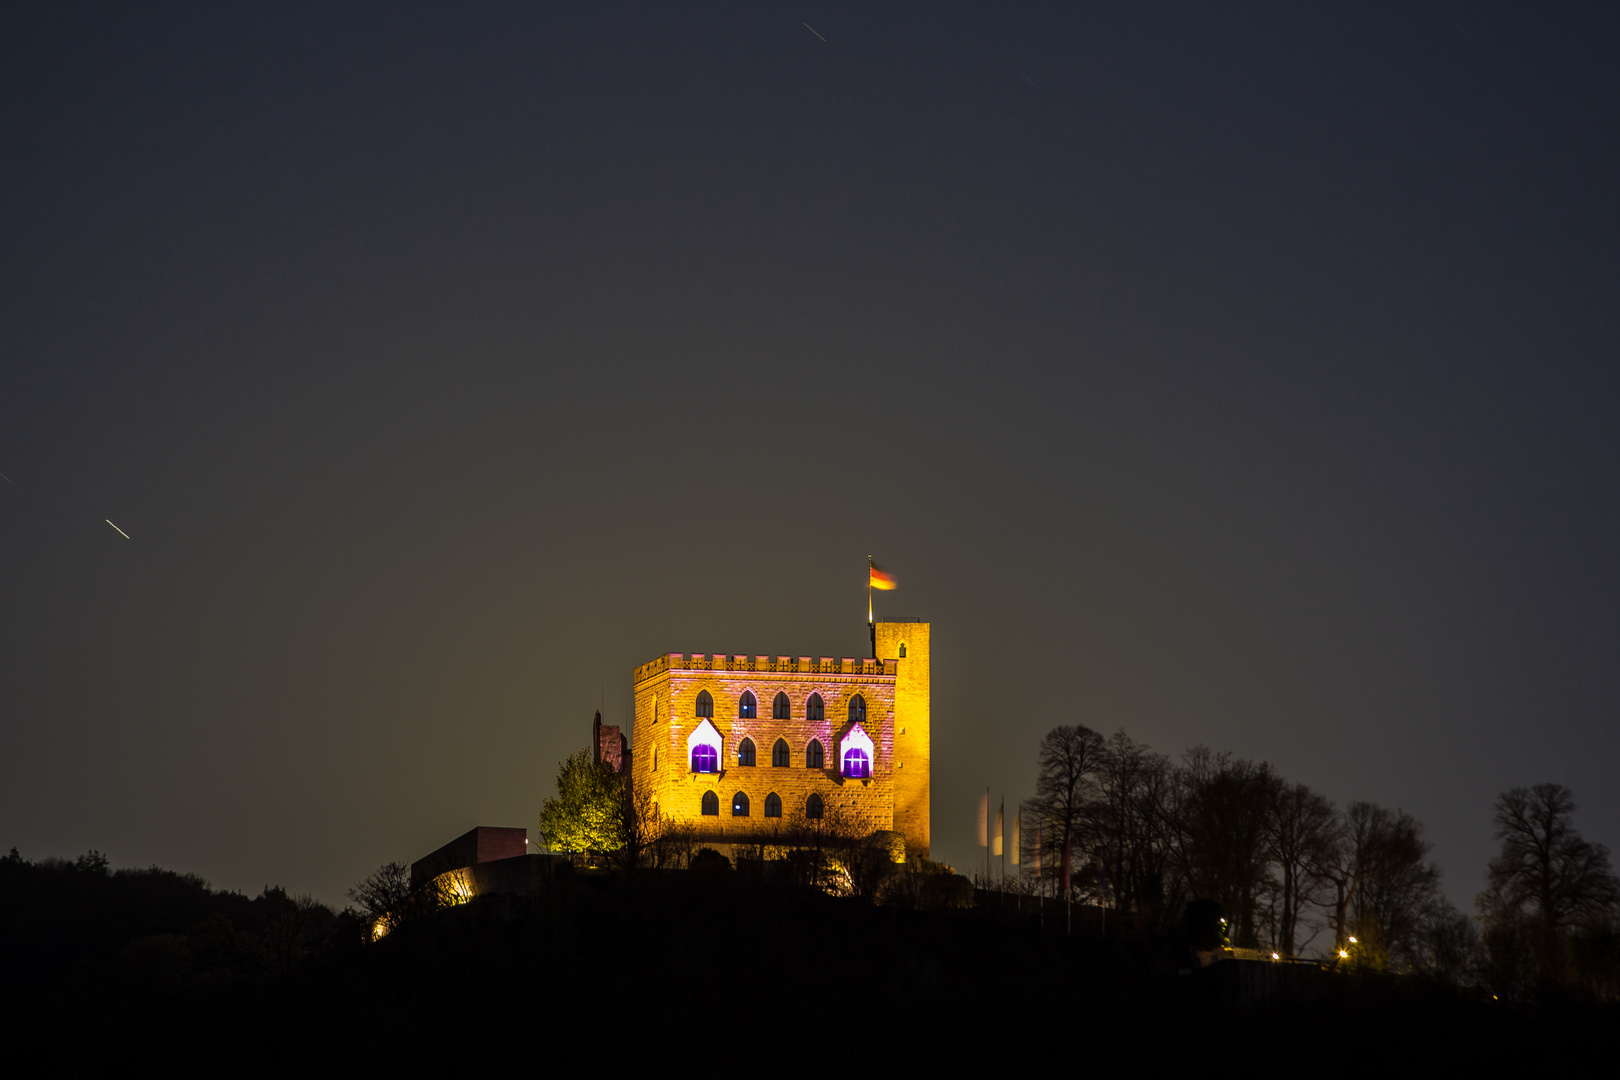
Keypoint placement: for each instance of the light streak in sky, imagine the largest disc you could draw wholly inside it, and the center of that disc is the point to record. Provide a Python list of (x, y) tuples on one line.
[(121, 532), (7, 478), (812, 29)]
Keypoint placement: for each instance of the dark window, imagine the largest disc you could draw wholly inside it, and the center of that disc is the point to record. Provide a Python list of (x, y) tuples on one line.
[(748, 707), (781, 756), (773, 805), (812, 807), (704, 759), (812, 709), (780, 709), (856, 763), (705, 704), (812, 755), (745, 752), (857, 709), (902, 650), (711, 804), (739, 805)]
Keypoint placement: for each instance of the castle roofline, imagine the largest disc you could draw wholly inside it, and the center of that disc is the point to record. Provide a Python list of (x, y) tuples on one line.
[(787, 665)]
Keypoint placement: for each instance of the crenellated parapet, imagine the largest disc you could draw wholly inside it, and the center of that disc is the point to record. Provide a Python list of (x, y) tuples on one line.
[(794, 665)]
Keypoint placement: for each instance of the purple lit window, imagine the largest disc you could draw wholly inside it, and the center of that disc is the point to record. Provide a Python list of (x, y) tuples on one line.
[(704, 758), (856, 763)]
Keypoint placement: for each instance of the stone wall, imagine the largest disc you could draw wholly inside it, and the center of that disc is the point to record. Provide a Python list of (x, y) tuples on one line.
[(666, 693)]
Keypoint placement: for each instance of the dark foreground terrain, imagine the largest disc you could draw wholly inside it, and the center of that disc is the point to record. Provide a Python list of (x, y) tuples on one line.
[(106, 973)]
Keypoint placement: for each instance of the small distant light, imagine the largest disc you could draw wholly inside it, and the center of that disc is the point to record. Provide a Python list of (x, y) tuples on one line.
[(1343, 955), (1274, 956), (1352, 941)]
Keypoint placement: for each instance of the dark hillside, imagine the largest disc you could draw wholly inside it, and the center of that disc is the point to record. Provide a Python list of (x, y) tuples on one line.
[(105, 970)]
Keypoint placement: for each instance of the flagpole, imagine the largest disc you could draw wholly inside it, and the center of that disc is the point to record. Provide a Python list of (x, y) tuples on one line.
[(871, 626)]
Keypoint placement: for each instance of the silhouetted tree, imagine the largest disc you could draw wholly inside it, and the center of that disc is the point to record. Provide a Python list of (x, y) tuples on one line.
[(1228, 803), (1384, 892), (1299, 832), (1065, 792), (1546, 880), (386, 896), (1138, 822)]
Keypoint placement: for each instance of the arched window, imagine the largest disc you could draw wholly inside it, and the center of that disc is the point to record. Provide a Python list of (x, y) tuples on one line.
[(655, 759), (857, 710), (773, 805), (780, 708), (704, 746), (902, 650), (711, 804), (812, 709), (813, 756), (705, 704), (745, 752), (856, 753), (739, 805), (812, 807), (748, 707), (781, 756)]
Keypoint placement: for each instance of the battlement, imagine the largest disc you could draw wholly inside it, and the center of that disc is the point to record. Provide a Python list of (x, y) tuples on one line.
[(798, 665)]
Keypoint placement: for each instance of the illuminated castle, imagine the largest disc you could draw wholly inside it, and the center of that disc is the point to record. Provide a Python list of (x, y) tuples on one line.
[(740, 745)]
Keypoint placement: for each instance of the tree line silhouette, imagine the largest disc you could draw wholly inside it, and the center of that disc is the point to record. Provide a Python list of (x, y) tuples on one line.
[(1115, 823)]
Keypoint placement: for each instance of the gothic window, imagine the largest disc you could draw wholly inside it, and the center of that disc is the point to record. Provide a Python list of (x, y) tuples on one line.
[(748, 707), (739, 805), (902, 650), (705, 704), (812, 808), (745, 752), (812, 709), (856, 764), (781, 756), (813, 755), (773, 805), (705, 758), (780, 708), (711, 804), (857, 709)]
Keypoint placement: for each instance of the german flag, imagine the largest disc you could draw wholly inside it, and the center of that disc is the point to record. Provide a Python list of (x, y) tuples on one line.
[(880, 578)]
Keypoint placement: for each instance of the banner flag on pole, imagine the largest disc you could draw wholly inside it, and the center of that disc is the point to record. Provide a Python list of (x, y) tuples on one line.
[(1001, 827), (984, 813), (879, 578), (1018, 820)]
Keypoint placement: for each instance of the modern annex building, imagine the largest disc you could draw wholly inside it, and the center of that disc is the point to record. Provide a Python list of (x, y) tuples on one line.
[(736, 745)]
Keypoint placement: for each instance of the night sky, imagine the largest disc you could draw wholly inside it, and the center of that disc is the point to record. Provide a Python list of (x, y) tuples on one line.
[(1238, 375)]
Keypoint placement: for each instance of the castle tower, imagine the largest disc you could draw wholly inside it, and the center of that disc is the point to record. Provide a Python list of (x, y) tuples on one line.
[(906, 643)]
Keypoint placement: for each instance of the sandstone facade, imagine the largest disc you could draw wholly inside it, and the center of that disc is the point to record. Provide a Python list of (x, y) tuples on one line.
[(885, 701)]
